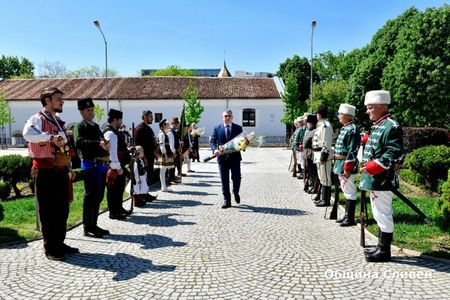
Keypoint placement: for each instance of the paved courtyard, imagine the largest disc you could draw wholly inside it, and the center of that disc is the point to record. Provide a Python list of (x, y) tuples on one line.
[(275, 245)]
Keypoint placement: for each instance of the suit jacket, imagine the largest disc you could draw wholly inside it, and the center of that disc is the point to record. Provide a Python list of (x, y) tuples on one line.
[(219, 138), (145, 137)]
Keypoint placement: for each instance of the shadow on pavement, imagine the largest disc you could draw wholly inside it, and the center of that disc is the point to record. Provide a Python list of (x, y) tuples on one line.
[(194, 193), (9, 235), (200, 184), (165, 204), (422, 262), (199, 175), (124, 265), (272, 210), (148, 241), (158, 221)]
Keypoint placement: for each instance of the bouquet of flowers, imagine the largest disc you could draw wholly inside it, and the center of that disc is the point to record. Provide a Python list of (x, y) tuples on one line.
[(239, 143), (198, 131)]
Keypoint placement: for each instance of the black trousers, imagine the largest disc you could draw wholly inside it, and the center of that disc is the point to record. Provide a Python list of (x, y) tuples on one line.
[(94, 190), (114, 195), (52, 195)]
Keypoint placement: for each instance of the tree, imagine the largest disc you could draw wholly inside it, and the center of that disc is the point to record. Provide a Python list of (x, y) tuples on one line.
[(99, 113), (173, 71), (5, 116), (331, 94), (193, 108), (301, 70), (52, 69), (418, 77), (327, 66), (92, 71), (14, 67), (292, 106)]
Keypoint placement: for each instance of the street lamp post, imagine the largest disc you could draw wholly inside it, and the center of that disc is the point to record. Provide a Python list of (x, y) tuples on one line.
[(313, 25), (97, 24)]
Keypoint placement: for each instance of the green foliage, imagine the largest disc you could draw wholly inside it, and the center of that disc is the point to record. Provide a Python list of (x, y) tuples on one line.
[(99, 113), (430, 164), (442, 207), (90, 72), (13, 67), (5, 190), (419, 72), (173, 71), (293, 107), (14, 169), (193, 108), (300, 69), (327, 66), (5, 114), (332, 94)]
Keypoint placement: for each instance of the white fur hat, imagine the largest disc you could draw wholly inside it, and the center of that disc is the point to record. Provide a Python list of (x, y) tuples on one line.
[(347, 109), (377, 97)]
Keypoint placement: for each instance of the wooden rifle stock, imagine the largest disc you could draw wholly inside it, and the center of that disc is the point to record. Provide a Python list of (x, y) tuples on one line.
[(333, 214), (362, 216)]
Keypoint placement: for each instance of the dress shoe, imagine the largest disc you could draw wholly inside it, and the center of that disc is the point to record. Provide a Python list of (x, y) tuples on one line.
[(126, 212), (175, 180), (118, 217), (66, 249), (182, 175), (166, 190), (226, 205), (150, 198), (93, 232), (191, 171), (54, 256), (237, 198)]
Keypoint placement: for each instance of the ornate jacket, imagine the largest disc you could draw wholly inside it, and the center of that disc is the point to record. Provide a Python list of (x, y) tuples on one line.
[(346, 149), (384, 149), (322, 140)]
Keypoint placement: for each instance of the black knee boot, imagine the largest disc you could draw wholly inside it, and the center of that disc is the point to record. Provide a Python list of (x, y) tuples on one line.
[(345, 215), (383, 250), (350, 220), (325, 200)]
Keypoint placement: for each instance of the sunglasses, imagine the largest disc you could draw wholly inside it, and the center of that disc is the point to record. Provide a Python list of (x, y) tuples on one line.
[(227, 116)]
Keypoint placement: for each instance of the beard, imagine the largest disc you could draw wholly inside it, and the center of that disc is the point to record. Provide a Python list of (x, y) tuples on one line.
[(58, 110)]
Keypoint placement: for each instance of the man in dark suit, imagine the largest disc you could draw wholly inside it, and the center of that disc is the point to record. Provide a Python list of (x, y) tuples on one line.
[(228, 162), (145, 137)]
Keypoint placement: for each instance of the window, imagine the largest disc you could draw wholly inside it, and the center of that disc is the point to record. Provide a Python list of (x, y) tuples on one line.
[(158, 117), (248, 117)]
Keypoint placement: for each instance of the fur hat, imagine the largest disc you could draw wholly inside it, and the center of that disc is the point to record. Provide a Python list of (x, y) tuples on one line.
[(311, 119), (85, 103), (347, 109), (115, 114), (377, 97)]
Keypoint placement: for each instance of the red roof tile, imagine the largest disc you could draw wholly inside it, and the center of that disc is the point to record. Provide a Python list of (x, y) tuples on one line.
[(143, 88)]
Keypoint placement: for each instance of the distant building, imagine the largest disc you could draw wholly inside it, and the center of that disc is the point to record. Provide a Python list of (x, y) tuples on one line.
[(242, 74), (255, 102), (198, 72)]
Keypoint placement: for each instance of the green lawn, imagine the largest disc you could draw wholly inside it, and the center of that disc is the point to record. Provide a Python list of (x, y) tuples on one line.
[(19, 221)]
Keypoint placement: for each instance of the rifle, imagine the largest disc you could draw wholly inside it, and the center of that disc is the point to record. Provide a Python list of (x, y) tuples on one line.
[(294, 161), (362, 215), (410, 204), (333, 214), (133, 143)]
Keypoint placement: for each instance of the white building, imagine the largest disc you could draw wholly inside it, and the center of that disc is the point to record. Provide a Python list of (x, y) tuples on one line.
[(255, 102)]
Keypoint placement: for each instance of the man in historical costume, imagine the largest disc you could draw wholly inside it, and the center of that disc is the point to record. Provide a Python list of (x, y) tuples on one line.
[(346, 161), (323, 154), (174, 128), (47, 138), (311, 182), (119, 157), (383, 151), (223, 133), (145, 137), (298, 142), (93, 151)]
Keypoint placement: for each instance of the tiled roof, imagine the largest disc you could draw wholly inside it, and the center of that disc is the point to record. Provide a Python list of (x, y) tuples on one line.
[(143, 88)]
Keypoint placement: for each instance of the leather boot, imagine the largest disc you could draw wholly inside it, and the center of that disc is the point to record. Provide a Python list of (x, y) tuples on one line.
[(373, 249), (345, 215), (139, 200), (350, 221), (383, 252), (326, 197), (319, 193)]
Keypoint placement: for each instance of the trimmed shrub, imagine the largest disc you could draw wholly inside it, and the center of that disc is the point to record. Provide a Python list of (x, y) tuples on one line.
[(5, 190), (430, 164), (417, 137), (14, 169), (443, 204)]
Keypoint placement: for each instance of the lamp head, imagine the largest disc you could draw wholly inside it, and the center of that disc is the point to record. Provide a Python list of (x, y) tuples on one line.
[(97, 23), (313, 24)]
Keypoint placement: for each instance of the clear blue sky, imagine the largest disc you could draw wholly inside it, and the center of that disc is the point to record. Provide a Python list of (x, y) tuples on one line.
[(257, 35)]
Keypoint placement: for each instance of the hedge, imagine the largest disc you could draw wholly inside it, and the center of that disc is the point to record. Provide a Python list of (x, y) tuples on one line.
[(443, 204), (5, 190), (417, 137), (14, 169)]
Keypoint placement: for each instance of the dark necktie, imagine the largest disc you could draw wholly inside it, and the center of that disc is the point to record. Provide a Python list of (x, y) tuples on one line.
[(227, 132)]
